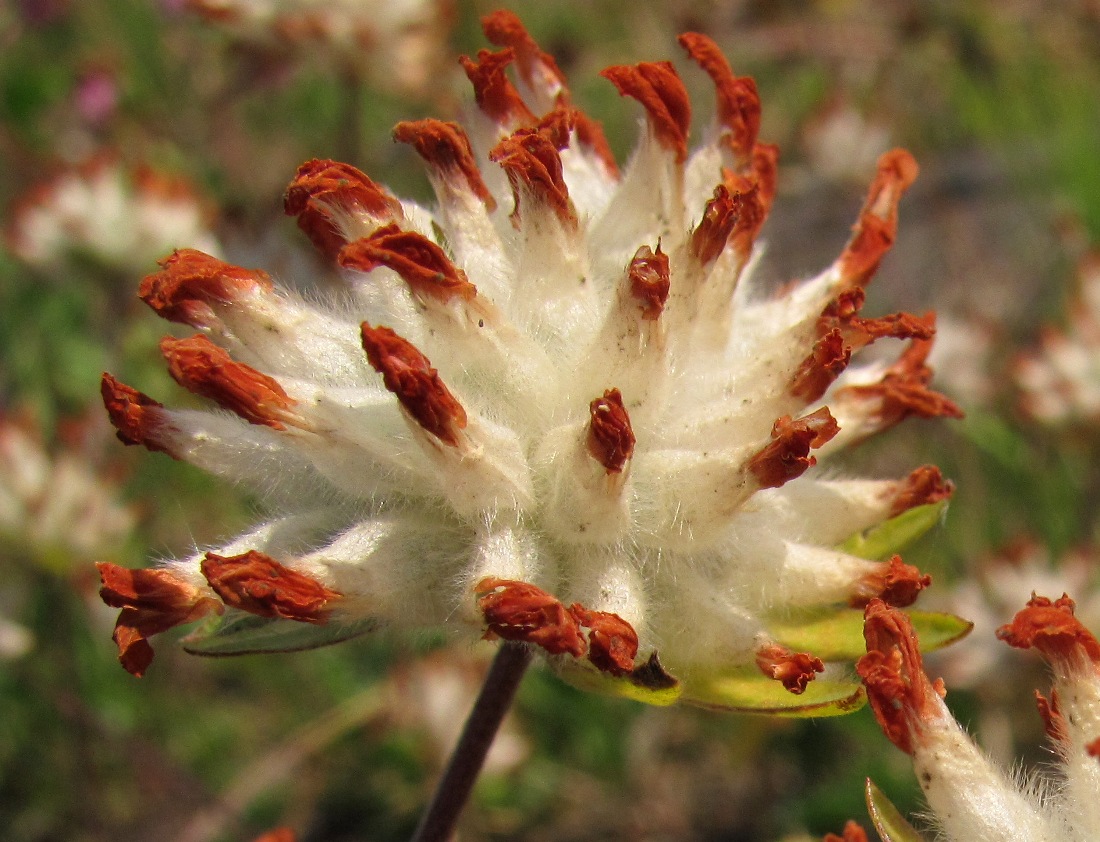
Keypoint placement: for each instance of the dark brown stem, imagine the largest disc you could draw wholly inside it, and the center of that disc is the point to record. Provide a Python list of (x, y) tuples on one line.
[(453, 790)]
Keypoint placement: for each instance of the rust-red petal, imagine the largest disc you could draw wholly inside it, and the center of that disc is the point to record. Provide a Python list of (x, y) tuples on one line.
[(206, 369), (423, 265), (612, 641), (190, 281), (496, 96), (152, 601), (923, 486), (445, 147), (408, 374), (137, 418), (256, 583), (650, 281), (793, 669), (1051, 627), (610, 438), (661, 92), (894, 582), (738, 100), (719, 219), (825, 363), (852, 833), (531, 160), (503, 28), (1054, 722), (520, 611), (787, 457)]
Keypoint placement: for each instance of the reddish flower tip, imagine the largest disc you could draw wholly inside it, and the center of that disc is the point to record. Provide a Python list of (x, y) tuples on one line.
[(531, 160), (923, 486), (787, 456), (206, 369), (321, 189), (612, 641), (898, 691), (610, 437), (520, 611), (794, 669), (190, 281), (446, 147), (650, 281), (1054, 722), (152, 601), (258, 584), (137, 418), (896, 583), (409, 375), (825, 363), (660, 91), (422, 264), (1052, 628), (852, 833), (878, 221), (496, 96), (503, 28), (719, 219), (738, 100)]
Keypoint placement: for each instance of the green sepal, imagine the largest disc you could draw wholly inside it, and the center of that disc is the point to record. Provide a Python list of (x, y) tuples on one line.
[(649, 683), (748, 691), (889, 822), (880, 542), (241, 633), (838, 634)]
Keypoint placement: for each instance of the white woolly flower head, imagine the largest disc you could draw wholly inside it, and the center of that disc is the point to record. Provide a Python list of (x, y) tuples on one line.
[(550, 407), (971, 799)]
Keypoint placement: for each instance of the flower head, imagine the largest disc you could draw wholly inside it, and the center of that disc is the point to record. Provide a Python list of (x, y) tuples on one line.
[(972, 799), (551, 407)]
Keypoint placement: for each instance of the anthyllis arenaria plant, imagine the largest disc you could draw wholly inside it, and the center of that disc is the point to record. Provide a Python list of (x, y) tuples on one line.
[(550, 407), (970, 798)]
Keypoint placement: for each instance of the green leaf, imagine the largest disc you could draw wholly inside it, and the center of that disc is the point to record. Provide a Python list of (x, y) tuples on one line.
[(838, 635), (648, 683), (882, 541), (241, 633), (889, 822), (748, 692)]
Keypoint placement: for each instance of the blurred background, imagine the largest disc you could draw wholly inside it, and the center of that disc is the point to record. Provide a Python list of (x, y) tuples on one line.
[(130, 127)]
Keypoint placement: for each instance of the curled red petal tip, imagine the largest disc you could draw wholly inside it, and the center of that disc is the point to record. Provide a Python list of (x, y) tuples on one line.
[(190, 281), (610, 437), (898, 691), (612, 641), (650, 281), (1054, 722), (206, 369), (258, 584), (520, 611), (852, 833), (720, 217), (423, 265), (504, 28), (152, 601), (322, 190), (738, 100), (925, 485), (137, 418), (1051, 627), (530, 158), (787, 457), (795, 670), (409, 375), (445, 147), (496, 96), (894, 582), (825, 363), (878, 221), (659, 89)]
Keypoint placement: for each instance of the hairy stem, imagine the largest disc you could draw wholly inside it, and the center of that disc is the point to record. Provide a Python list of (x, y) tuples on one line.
[(453, 790)]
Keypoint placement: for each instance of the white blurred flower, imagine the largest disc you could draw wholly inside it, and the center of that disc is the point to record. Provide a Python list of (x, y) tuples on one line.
[(971, 798), (120, 217), (1059, 381), (551, 407)]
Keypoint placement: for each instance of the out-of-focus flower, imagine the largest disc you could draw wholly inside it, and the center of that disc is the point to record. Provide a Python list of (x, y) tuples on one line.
[(551, 408), (971, 799), (1059, 382), (398, 42), (119, 217), (55, 505), (963, 361), (841, 143), (96, 96)]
